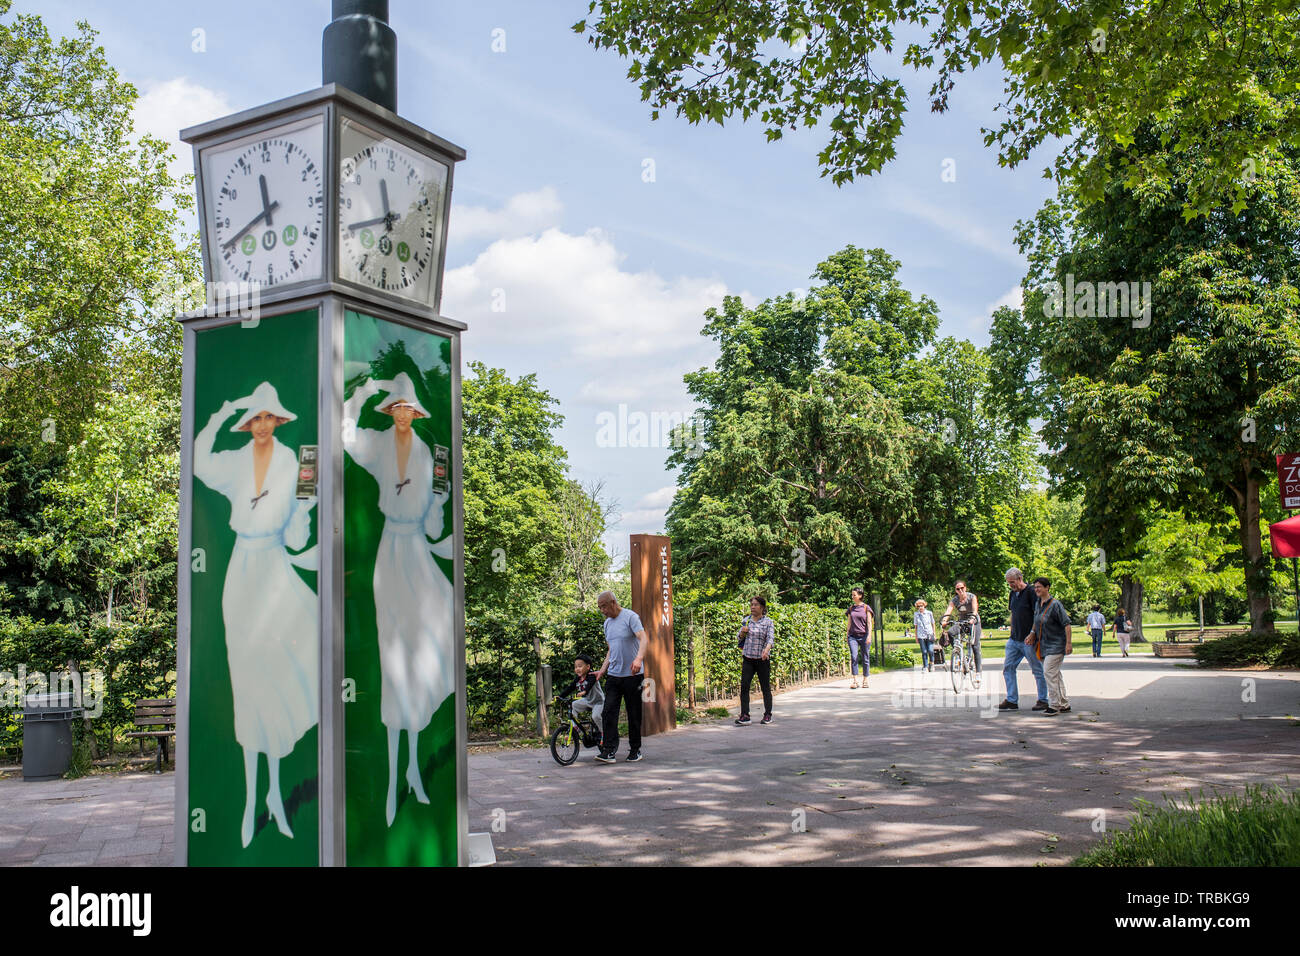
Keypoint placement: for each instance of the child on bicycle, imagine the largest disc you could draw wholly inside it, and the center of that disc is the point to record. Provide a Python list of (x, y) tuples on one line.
[(586, 690)]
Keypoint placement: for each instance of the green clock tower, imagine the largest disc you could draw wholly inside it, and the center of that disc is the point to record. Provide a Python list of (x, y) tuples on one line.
[(321, 653)]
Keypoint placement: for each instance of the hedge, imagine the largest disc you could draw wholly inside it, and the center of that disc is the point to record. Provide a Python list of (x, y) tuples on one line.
[(136, 663), (1270, 648), (810, 643)]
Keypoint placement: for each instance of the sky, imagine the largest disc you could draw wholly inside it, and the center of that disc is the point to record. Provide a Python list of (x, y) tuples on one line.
[(587, 240)]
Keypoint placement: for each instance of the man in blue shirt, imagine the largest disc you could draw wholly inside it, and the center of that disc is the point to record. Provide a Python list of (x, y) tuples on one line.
[(625, 666), (1023, 605)]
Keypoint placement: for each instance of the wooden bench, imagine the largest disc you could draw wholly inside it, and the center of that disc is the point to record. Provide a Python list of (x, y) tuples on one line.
[(1175, 634), (158, 713)]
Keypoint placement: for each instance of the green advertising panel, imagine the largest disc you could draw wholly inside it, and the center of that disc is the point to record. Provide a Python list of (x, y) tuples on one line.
[(253, 702), (399, 596)]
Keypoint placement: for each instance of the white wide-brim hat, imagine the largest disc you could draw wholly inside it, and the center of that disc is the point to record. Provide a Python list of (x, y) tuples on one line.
[(401, 392), (263, 399)]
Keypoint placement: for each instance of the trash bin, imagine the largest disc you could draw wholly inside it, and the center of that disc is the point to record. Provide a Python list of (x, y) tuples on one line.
[(47, 735)]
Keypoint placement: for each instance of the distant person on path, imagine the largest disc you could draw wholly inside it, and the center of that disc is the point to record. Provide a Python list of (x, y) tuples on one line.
[(923, 621), (1123, 629), (1097, 628), (965, 606), (757, 636), (1053, 639), (623, 669), (1022, 604), (861, 624)]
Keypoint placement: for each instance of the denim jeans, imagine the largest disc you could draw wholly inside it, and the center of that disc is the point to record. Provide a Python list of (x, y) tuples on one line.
[(927, 651), (1096, 641), (860, 646), (1011, 660)]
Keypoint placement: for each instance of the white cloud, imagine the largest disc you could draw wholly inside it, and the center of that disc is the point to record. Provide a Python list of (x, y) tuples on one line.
[(568, 303), (1014, 297), (165, 108), (523, 214), (955, 224), (645, 521), (658, 499)]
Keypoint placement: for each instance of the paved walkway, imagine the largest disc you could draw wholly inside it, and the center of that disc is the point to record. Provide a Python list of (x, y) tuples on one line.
[(904, 772)]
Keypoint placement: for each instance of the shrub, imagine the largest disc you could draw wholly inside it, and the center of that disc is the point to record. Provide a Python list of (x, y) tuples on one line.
[(1258, 828), (1272, 649)]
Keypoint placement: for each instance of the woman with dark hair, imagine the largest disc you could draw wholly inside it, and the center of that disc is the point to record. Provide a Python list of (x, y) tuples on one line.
[(1122, 629), (861, 618), (757, 635)]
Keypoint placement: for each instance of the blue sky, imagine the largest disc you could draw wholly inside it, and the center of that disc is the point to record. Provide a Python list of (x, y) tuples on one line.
[(603, 275)]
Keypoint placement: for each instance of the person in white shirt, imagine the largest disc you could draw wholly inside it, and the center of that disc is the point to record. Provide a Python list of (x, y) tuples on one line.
[(1096, 627)]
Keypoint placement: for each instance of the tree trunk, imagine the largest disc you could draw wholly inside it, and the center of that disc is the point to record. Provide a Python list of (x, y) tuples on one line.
[(1252, 552), (1130, 598)]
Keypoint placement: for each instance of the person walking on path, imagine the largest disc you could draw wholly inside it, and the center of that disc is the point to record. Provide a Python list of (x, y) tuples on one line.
[(622, 669), (1097, 628), (1053, 638), (1022, 604), (965, 606), (757, 636), (923, 622), (1123, 630), (861, 621)]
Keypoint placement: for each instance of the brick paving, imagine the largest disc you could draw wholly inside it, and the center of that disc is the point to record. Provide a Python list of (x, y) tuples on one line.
[(895, 774)]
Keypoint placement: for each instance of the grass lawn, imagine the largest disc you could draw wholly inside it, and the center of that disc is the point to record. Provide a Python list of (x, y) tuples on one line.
[(1258, 828)]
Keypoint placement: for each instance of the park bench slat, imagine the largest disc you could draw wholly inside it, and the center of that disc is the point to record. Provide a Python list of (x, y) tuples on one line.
[(152, 733), (157, 702), (155, 721)]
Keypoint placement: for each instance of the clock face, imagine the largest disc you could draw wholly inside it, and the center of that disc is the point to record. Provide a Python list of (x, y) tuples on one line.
[(390, 215), (266, 206)]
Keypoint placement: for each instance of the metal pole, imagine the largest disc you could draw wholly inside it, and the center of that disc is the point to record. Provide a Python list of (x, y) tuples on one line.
[(1295, 580)]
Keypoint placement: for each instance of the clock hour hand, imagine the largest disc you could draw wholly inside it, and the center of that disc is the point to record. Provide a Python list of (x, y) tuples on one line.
[(264, 214), (367, 222)]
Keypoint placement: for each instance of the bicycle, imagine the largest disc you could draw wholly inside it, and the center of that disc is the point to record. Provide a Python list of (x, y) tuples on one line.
[(573, 733), (961, 662)]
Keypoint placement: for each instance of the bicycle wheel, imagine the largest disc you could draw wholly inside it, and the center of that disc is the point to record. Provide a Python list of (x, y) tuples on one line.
[(955, 667), (565, 745)]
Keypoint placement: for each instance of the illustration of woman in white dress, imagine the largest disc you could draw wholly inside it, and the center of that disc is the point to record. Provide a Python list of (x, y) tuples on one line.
[(413, 598), (268, 610)]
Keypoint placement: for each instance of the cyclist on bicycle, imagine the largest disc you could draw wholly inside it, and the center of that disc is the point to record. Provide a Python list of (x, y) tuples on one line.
[(586, 690), (966, 607)]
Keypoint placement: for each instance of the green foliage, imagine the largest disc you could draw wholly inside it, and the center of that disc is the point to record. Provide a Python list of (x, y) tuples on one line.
[(1260, 827), (838, 452), (111, 510), (136, 663), (1217, 79), (89, 216), (1270, 648), (1183, 408)]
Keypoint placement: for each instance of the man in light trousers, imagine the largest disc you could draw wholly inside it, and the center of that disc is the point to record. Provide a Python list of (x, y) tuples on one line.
[(1023, 602)]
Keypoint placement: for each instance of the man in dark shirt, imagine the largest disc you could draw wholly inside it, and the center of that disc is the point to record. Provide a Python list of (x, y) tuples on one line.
[(1022, 604)]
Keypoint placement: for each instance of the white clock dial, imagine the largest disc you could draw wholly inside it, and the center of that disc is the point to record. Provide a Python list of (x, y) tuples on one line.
[(267, 207), (390, 219)]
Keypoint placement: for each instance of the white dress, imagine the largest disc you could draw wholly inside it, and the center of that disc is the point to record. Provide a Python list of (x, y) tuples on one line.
[(413, 598), (269, 611)]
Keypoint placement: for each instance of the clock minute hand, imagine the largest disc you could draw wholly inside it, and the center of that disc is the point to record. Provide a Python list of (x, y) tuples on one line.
[(266, 199), (264, 214)]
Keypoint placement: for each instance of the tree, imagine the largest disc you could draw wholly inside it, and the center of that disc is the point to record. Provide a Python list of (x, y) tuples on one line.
[(112, 509), (1089, 75), (514, 475), (1179, 557), (838, 451), (584, 512), (1183, 402), (88, 226)]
